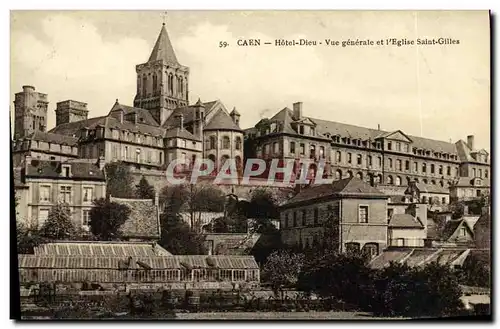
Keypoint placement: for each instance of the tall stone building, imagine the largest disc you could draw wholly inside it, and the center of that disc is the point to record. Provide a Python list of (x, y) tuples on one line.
[(160, 127)]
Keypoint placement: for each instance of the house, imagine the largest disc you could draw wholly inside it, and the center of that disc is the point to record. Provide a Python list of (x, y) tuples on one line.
[(42, 184), (407, 230), (356, 211), (467, 188)]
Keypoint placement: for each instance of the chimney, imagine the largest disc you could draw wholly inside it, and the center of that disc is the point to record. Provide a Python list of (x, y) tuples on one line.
[(181, 121), (297, 110), (27, 162), (470, 142), (120, 116), (379, 126), (135, 117), (101, 162)]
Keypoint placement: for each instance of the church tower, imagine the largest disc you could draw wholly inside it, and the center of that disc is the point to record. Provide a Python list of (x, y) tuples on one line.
[(30, 110), (162, 83)]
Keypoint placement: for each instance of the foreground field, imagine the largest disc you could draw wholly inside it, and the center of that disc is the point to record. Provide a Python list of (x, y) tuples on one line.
[(278, 316)]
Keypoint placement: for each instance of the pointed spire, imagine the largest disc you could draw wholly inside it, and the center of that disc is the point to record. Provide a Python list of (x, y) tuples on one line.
[(234, 112), (199, 103), (163, 49)]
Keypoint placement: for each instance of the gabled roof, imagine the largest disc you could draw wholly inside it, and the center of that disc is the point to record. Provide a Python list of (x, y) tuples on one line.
[(405, 221), (51, 137), (453, 226), (347, 187), (222, 121), (80, 169), (143, 221), (163, 49), (388, 135), (101, 249)]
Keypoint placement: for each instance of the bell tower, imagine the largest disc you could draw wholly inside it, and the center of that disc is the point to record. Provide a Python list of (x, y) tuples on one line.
[(162, 82)]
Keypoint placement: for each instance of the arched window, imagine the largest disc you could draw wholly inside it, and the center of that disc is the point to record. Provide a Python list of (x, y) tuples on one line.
[(144, 83), (213, 143), (398, 180), (433, 182), (359, 175), (350, 174), (223, 159), (170, 83), (424, 181), (416, 180), (226, 142), (238, 143), (390, 180), (338, 174), (155, 84)]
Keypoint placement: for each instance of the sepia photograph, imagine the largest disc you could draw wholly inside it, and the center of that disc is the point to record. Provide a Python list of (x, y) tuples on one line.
[(254, 164)]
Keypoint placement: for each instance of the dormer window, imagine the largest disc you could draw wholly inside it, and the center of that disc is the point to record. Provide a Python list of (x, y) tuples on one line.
[(66, 170), (312, 131), (301, 130)]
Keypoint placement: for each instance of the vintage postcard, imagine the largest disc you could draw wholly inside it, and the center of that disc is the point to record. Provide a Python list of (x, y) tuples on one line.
[(273, 165)]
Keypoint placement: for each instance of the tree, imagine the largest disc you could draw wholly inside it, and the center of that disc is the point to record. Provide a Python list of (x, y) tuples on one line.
[(27, 238), (282, 269), (144, 190), (178, 238), (119, 180), (58, 225), (194, 199), (106, 219)]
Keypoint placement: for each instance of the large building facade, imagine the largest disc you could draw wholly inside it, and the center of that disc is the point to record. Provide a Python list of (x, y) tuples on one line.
[(372, 155), (160, 127)]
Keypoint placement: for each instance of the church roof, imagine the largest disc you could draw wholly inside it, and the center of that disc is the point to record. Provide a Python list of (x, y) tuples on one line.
[(222, 121), (163, 49)]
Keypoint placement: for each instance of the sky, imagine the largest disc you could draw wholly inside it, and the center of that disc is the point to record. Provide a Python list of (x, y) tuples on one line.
[(435, 91)]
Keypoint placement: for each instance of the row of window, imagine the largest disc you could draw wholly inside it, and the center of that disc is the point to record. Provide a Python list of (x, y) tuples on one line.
[(136, 137), (363, 216), (301, 151), (479, 173), (211, 143), (398, 165), (65, 194), (64, 275), (148, 156)]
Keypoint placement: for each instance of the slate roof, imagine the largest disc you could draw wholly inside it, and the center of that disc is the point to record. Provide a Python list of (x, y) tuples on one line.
[(51, 137), (143, 221), (405, 221), (52, 169), (347, 130), (342, 188), (72, 128), (222, 121), (163, 49), (452, 226), (101, 249), (431, 188), (143, 115), (181, 133), (155, 262), (469, 182), (465, 152)]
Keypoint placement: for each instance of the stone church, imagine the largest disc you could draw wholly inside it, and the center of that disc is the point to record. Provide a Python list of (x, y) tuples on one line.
[(160, 126)]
